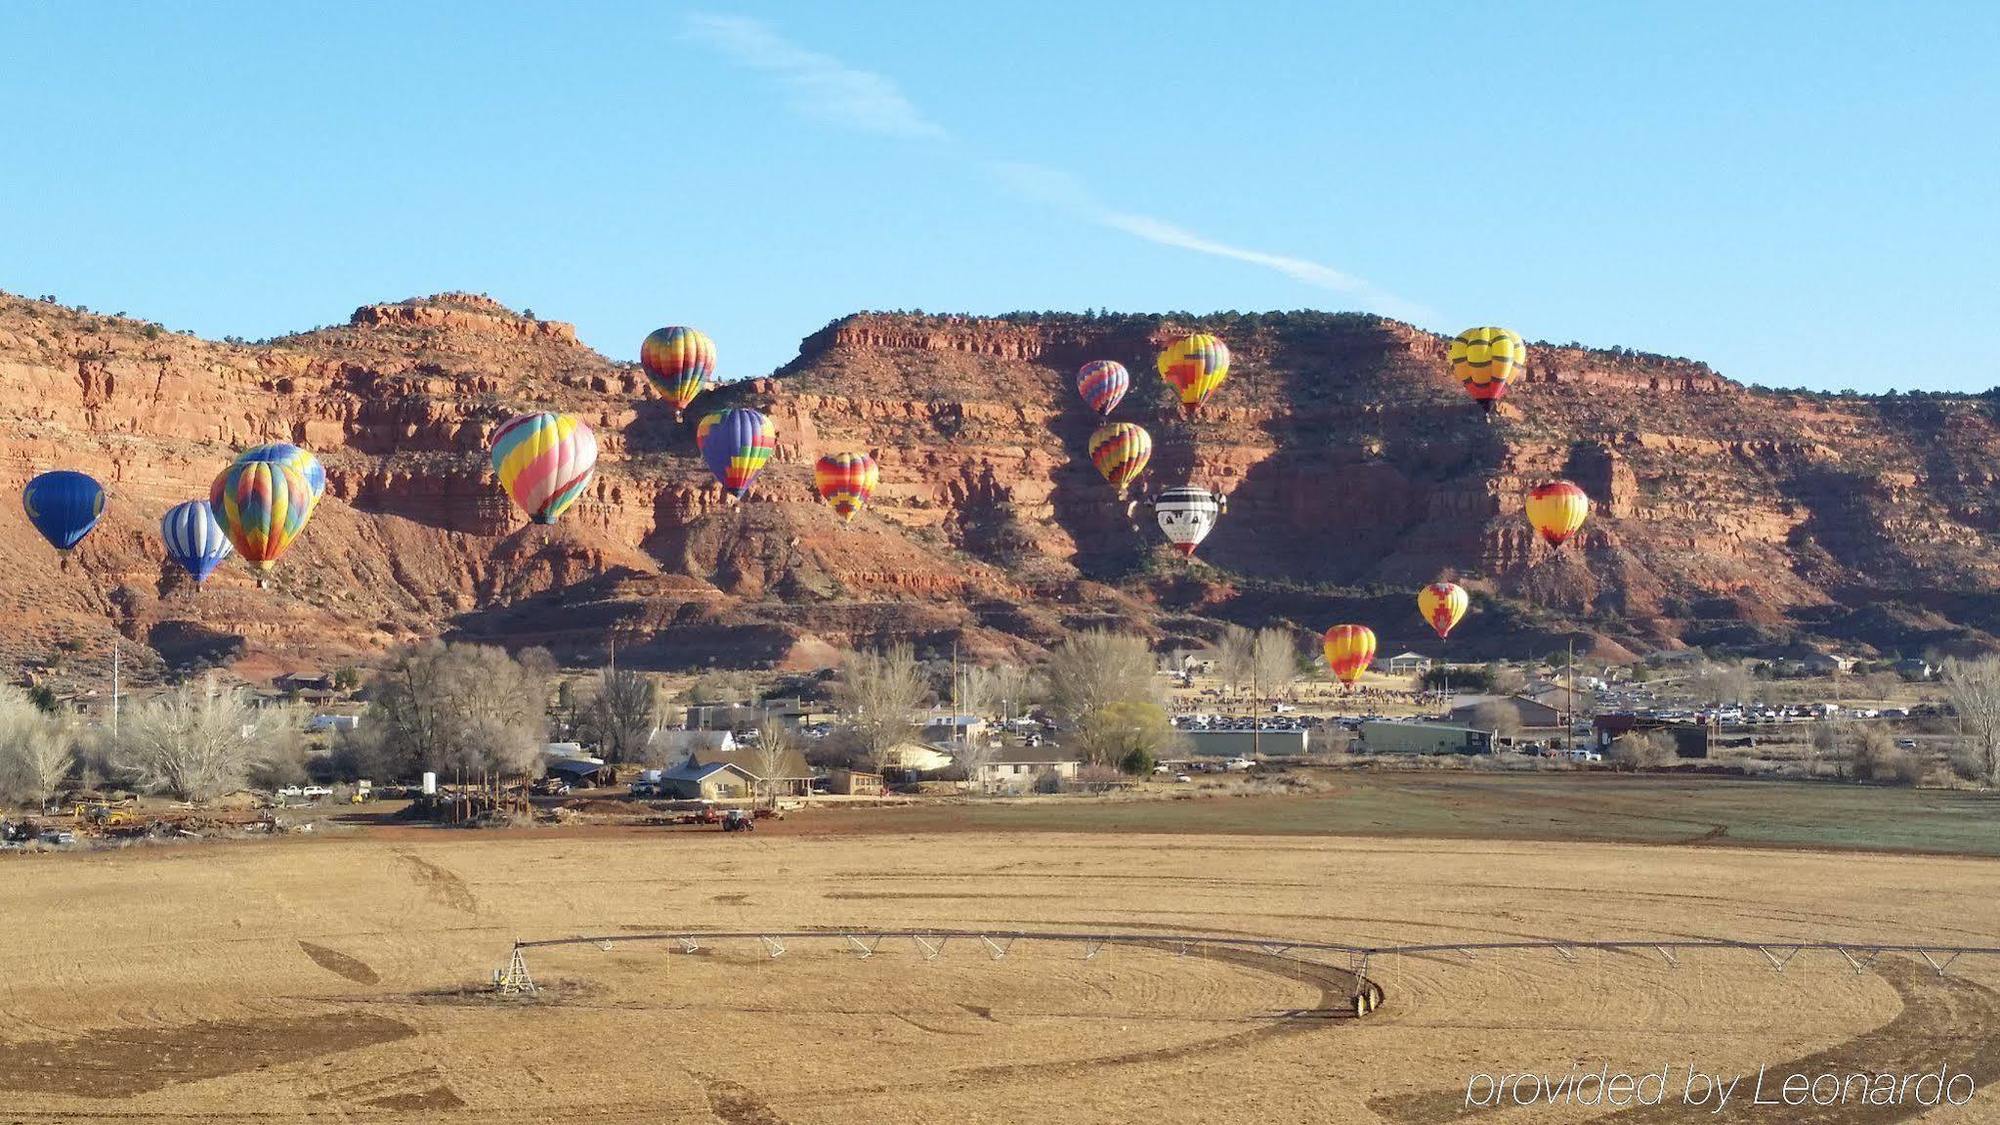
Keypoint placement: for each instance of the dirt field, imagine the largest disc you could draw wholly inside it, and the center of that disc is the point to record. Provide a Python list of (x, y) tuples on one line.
[(331, 979)]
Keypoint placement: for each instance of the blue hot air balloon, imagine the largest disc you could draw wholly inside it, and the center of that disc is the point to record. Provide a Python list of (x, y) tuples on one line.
[(63, 506), (194, 539)]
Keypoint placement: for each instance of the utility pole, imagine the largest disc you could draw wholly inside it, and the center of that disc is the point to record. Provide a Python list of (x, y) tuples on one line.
[(1256, 717), (1569, 697)]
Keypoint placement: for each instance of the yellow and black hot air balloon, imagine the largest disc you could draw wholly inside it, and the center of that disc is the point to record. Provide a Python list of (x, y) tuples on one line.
[(1443, 605), (1557, 509), (1486, 360), (1120, 451), (1195, 364)]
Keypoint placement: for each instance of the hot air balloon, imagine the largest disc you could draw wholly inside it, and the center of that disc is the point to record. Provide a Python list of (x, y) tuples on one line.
[(262, 506), (194, 539), (679, 363), (846, 481), (1557, 509), (544, 461), (1443, 605), (1349, 651), (1195, 364), (63, 505), (295, 458), (702, 427), (1120, 451), (1486, 360), (1103, 384), (736, 446), (1187, 515)]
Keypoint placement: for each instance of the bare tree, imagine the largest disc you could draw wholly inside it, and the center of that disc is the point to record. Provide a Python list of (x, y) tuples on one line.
[(37, 749), (978, 691), (194, 742), (1094, 669), (1649, 749), (1116, 731), (776, 749), (877, 693), (1822, 742), (1497, 717), (470, 709), (1972, 688), (1235, 656), (621, 715), (973, 757), (1274, 661), (1016, 688)]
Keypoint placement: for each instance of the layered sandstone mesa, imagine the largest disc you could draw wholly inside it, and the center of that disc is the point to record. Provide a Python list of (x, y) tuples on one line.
[(1356, 468)]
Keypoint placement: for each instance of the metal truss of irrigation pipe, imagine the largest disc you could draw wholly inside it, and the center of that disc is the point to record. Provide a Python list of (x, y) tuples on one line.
[(1859, 954)]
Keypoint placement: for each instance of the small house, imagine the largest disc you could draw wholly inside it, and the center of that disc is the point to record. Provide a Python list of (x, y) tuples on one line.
[(1406, 664), (717, 781), (854, 783), (1017, 768)]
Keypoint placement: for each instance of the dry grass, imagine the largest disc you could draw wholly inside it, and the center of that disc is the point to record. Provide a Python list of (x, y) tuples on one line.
[(321, 979)]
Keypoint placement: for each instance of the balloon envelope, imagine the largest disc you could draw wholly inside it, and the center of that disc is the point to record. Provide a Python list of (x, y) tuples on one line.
[(544, 461), (1186, 516), (194, 539), (736, 447), (679, 363), (1443, 604), (1486, 360), (262, 506), (846, 481), (1557, 509), (1103, 384), (295, 458), (1120, 451), (1349, 651), (63, 505), (1195, 364)]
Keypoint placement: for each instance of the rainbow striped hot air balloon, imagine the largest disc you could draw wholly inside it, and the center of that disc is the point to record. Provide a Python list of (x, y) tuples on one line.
[(295, 458), (1443, 605), (1120, 451), (1195, 364), (1486, 360), (1349, 651), (1557, 509), (194, 539), (846, 481), (1103, 384), (545, 461), (736, 446), (679, 363), (262, 506), (63, 505)]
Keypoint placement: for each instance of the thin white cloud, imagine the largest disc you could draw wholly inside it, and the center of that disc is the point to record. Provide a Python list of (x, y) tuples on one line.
[(824, 87), (1061, 190), (821, 85)]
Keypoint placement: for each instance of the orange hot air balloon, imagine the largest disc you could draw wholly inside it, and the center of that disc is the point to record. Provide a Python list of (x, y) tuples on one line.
[(1349, 650), (846, 481), (1443, 604), (1557, 509)]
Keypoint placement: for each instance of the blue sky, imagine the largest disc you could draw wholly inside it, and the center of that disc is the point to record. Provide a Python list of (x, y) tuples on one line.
[(1797, 193)]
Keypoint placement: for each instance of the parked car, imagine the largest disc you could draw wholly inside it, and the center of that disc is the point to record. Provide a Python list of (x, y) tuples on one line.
[(291, 791), (315, 792)]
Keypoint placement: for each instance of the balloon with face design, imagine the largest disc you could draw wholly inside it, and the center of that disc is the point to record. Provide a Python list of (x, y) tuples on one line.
[(1187, 514)]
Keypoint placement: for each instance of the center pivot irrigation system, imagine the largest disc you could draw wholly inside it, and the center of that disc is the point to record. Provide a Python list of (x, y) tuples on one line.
[(1365, 995)]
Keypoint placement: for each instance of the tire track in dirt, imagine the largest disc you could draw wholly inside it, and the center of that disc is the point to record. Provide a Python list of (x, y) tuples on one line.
[(1944, 1020), (444, 886)]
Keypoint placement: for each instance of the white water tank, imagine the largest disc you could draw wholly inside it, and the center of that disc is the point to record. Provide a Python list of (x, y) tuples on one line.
[(430, 784)]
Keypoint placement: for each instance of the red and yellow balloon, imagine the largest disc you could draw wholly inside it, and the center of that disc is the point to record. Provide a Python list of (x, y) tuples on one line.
[(1349, 650), (846, 481), (1120, 451), (1557, 509), (1487, 360), (1443, 605), (1195, 364)]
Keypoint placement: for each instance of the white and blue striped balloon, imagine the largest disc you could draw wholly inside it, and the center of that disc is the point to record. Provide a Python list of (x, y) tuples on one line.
[(194, 539)]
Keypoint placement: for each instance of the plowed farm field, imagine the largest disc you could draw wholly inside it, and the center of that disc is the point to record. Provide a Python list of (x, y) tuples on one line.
[(342, 979)]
